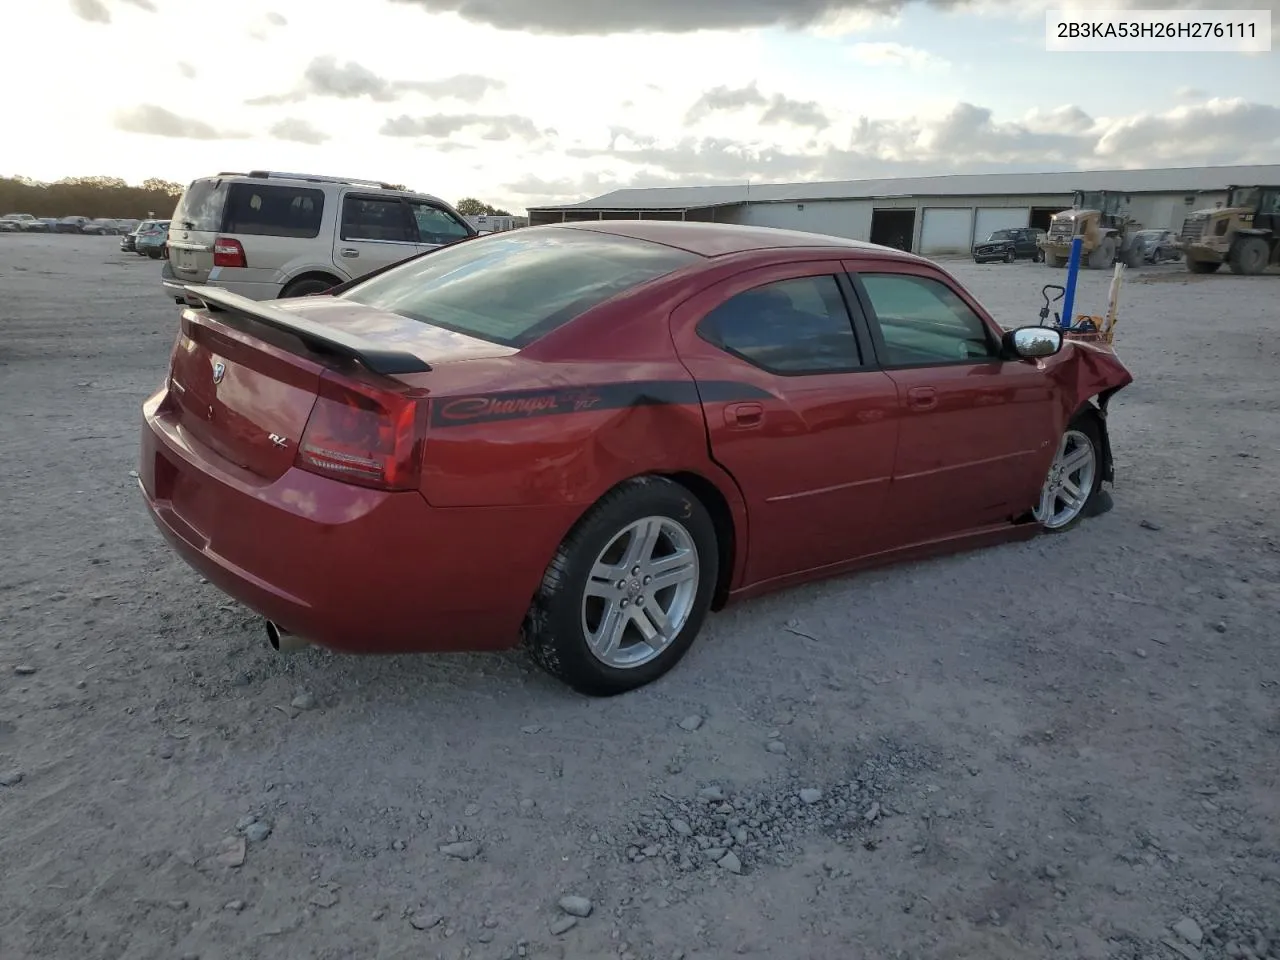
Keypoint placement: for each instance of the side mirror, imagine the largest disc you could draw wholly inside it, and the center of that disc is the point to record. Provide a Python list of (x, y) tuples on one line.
[(1032, 343)]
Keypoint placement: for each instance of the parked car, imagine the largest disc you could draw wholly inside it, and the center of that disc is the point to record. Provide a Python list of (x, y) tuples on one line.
[(154, 241), (563, 433), (1016, 243), (266, 235), (15, 222), (43, 225), (129, 241), (1158, 246), (99, 225), (71, 225)]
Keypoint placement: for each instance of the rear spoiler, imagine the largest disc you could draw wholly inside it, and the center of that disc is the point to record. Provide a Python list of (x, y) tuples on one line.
[(380, 360)]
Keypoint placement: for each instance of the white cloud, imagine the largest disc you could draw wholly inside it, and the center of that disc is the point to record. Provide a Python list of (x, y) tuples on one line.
[(513, 118), (890, 54)]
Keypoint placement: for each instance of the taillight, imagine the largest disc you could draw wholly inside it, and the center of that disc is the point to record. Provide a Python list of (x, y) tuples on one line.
[(362, 435), (228, 253)]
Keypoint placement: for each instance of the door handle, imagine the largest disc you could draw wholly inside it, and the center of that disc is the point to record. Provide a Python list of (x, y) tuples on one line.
[(349, 252), (744, 415), (922, 398)]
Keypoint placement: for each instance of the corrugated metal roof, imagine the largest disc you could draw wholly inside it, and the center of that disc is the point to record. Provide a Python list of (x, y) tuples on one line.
[(1169, 179)]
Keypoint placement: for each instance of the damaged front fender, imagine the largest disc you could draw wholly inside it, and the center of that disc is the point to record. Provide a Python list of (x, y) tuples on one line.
[(1088, 375)]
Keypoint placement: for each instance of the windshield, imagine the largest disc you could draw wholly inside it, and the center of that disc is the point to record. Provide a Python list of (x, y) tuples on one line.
[(1001, 235), (516, 287), (1244, 197)]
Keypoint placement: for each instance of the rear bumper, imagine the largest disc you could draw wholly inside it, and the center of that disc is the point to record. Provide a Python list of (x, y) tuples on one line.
[(355, 570), (251, 289)]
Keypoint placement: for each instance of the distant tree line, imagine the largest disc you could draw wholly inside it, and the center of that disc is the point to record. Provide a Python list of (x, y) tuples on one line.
[(108, 197), (113, 197), (471, 207)]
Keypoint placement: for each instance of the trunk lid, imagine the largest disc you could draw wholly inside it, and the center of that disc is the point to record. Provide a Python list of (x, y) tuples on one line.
[(245, 375), (246, 400)]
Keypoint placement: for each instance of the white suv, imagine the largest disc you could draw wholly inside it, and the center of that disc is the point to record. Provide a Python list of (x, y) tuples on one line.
[(267, 235)]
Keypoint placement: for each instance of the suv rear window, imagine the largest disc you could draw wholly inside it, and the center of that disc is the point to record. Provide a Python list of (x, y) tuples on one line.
[(514, 287), (269, 210), (200, 207)]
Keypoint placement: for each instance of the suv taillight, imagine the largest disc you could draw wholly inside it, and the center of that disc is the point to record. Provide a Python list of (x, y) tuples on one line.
[(228, 253), (362, 435)]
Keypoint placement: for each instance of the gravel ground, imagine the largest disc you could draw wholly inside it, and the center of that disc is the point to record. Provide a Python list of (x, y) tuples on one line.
[(1068, 747)]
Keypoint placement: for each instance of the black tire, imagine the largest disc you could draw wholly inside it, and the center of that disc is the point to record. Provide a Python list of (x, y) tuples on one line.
[(1202, 266), (1038, 256), (1249, 256), (305, 286), (554, 633), (1103, 255), (1086, 423), (1010, 255)]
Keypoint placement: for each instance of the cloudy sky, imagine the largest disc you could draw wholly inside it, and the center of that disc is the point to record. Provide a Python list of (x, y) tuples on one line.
[(522, 102)]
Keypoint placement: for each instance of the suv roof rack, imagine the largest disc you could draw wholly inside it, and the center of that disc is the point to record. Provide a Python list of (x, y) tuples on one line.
[(317, 178)]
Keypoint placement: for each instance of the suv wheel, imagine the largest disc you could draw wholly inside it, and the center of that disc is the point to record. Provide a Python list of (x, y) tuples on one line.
[(306, 286)]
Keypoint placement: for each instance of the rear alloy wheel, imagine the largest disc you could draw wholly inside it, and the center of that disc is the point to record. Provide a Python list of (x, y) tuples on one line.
[(627, 591), (1075, 476)]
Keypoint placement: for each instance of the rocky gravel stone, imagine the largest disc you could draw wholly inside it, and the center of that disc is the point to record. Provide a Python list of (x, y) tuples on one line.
[(1189, 931), (461, 850), (576, 906), (767, 823)]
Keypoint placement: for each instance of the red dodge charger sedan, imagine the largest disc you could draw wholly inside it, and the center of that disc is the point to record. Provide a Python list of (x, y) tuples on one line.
[(584, 436)]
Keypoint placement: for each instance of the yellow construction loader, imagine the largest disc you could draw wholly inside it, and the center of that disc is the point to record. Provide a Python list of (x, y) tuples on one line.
[(1100, 218), (1245, 234)]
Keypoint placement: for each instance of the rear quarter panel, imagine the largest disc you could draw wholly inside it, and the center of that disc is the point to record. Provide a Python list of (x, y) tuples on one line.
[(509, 432)]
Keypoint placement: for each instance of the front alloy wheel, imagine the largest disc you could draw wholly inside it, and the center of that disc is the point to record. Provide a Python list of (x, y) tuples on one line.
[(1074, 477)]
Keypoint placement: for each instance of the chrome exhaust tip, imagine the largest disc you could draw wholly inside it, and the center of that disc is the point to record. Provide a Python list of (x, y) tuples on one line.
[(282, 641)]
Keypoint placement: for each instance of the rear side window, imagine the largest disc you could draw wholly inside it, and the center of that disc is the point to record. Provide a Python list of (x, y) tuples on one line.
[(514, 287), (375, 218), (200, 207), (790, 327), (271, 210)]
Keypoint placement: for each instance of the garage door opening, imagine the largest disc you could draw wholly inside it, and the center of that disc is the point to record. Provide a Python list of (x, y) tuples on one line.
[(1040, 216), (893, 228)]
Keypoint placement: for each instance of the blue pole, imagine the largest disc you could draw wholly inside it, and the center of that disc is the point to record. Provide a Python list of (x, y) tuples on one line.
[(1073, 270)]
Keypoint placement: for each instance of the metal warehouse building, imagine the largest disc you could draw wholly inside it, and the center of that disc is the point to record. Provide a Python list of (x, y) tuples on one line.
[(928, 215)]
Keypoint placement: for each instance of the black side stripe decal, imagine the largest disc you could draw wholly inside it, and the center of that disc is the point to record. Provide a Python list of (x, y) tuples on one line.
[(557, 401)]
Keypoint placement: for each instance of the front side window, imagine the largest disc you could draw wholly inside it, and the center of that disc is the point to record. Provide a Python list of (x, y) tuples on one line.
[(436, 225), (512, 288), (789, 327), (270, 210), (924, 322)]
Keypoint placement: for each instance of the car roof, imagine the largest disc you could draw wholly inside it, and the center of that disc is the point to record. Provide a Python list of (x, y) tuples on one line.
[(721, 239), (320, 183)]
